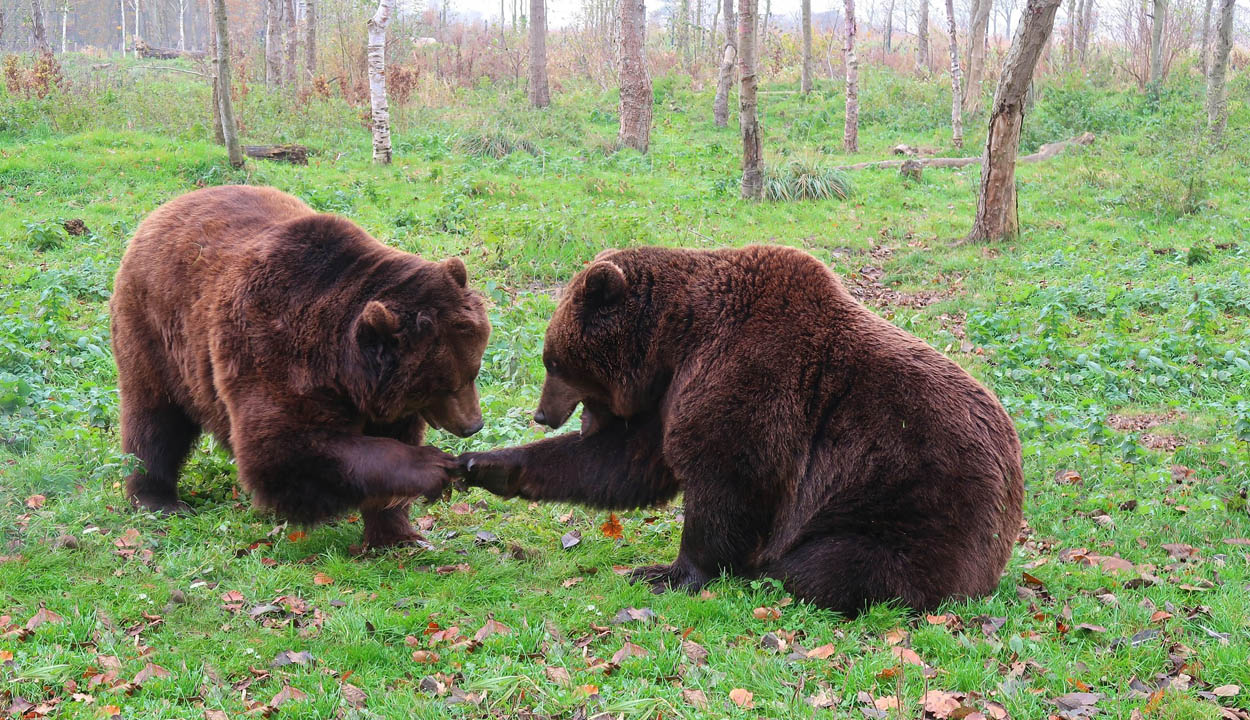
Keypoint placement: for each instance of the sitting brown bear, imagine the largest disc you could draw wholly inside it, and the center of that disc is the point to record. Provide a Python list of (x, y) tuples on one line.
[(314, 352), (816, 443)]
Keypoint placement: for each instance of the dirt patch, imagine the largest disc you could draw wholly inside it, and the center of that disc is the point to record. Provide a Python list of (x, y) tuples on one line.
[(1137, 423), (865, 285), (1167, 443)]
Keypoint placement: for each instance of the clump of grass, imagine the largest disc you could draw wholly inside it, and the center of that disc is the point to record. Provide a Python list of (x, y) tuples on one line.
[(495, 144), (799, 180)]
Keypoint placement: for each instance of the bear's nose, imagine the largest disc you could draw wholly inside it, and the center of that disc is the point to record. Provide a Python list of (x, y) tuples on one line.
[(475, 427), (540, 417)]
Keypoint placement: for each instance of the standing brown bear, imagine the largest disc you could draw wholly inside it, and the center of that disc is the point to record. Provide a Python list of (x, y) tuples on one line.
[(816, 443), (314, 352)]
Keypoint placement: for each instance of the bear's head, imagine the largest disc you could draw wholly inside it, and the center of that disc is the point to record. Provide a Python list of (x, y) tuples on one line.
[(417, 347), (599, 349)]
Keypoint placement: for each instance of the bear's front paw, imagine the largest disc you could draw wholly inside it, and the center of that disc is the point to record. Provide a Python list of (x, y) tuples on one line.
[(491, 473), (678, 576)]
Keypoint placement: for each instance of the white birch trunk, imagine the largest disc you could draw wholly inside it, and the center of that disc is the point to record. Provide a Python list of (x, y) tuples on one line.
[(957, 124), (850, 131), (376, 51)]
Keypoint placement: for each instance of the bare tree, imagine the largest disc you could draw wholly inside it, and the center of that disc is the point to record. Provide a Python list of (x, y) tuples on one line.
[(805, 80), (229, 129), (729, 59), (540, 94), (996, 216), (1205, 53), (1086, 27), (1157, 21), (310, 38), (1217, 99), (291, 37), (636, 97), (922, 36), (37, 27), (121, 5), (976, 53), (752, 155), (182, 26), (376, 52), (64, 24), (888, 36), (219, 135), (1069, 41), (850, 131), (957, 124), (273, 42)]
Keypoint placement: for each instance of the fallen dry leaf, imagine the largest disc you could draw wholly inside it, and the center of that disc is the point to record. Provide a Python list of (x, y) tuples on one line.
[(322, 579), (628, 650), (287, 693), (824, 652), (766, 613), (742, 698), (1226, 691), (570, 538), (34, 502), (695, 698), (907, 655), (886, 702), (492, 627), (111, 710), (297, 536), (558, 675), (941, 704), (695, 652), (612, 528), (424, 656), (353, 695), (41, 616), (215, 715), (150, 671)]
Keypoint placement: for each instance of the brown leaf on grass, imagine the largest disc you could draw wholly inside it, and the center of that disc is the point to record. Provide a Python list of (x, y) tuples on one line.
[(570, 539), (288, 657), (322, 579), (823, 699), (627, 651), (297, 536), (824, 652), (287, 693), (630, 614), (462, 508), (492, 627), (215, 714), (695, 652), (886, 702), (897, 636), (766, 613), (424, 656), (6, 656), (41, 616), (1180, 551), (1237, 541), (694, 698), (941, 704), (742, 698), (34, 502), (111, 710), (907, 655), (571, 582), (149, 671), (1091, 628), (558, 675), (612, 528), (353, 695), (1078, 704), (1226, 691)]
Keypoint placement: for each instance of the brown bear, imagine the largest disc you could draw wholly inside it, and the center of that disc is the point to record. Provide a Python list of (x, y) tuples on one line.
[(317, 354), (815, 442)]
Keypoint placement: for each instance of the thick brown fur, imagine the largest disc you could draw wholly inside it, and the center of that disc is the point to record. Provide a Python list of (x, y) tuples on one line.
[(815, 442), (316, 353)]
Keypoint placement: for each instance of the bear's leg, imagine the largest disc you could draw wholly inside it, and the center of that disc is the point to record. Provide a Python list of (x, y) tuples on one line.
[(161, 437), (618, 467), (847, 573), (387, 520)]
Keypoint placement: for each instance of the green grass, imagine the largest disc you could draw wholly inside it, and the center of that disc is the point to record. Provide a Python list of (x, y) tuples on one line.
[(1128, 294)]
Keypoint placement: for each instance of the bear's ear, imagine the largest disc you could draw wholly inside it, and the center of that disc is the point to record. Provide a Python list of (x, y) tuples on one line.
[(459, 273), (377, 321), (605, 285)]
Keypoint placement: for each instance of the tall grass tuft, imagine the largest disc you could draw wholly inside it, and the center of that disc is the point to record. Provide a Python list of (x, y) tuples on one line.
[(495, 144), (800, 180)]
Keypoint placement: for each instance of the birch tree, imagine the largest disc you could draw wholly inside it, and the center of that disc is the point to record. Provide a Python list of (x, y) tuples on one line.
[(636, 96), (752, 155), (310, 39), (1205, 52), (540, 94), (290, 32), (922, 36), (182, 24), (729, 60), (996, 217), (1217, 98), (1157, 22), (376, 54), (229, 129), (805, 80), (850, 130), (957, 124), (976, 53), (37, 27), (273, 42)]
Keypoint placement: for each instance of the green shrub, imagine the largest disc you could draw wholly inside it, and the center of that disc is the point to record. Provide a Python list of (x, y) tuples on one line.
[(799, 180)]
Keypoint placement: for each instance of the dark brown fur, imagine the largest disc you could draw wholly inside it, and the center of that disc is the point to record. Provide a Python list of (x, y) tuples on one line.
[(312, 350), (816, 443)]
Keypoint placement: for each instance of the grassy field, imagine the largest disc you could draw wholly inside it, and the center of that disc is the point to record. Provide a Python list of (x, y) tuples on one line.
[(1116, 330)]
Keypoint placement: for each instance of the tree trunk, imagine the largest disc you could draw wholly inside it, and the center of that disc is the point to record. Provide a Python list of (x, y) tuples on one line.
[(996, 216), (310, 39), (752, 155), (636, 97), (729, 60), (976, 54), (1217, 99), (36, 26), (64, 24), (273, 42), (138, 26), (922, 36), (540, 94), (229, 129), (182, 25), (1069, 42), (957, 124), (376, 52), (291, 31), (850, 132), (1087, 28), (1158, 20), (121, 5), (219, 136), (1205, 56), (888, 36), (805, 80)]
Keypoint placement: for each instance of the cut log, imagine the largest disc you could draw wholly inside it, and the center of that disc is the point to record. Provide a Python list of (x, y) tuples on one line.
[(160, 53), (1045, 152), (290, 153)]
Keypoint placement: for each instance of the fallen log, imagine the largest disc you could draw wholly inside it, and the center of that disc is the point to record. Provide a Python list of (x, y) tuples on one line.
[(160, 53), (1045, 152), (290, 152)]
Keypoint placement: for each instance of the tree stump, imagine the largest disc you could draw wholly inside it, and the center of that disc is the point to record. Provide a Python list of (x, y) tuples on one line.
[(911, 170), (290, 153)]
